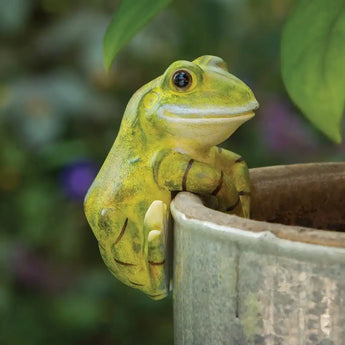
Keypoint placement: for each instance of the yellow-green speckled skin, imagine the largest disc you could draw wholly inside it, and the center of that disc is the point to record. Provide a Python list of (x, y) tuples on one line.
[(166, 143)]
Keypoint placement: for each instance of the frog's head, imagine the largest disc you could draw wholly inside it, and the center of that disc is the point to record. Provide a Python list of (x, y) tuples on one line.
[(199, 101)]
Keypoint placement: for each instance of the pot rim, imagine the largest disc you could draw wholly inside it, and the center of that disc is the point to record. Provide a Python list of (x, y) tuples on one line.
[(192, 207)]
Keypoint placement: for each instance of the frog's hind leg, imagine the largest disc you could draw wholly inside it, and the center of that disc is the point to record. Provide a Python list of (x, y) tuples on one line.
[(156, 226)]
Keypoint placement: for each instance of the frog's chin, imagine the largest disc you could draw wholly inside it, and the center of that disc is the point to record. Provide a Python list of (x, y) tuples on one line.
[(207, 126)]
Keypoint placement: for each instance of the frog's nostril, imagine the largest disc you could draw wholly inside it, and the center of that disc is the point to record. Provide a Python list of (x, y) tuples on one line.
[(255, 105)]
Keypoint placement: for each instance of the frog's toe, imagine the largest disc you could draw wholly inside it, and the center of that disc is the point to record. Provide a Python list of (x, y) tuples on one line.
[(157, 263), (155, 225), (156, 216), (156, 253), (245, 203)]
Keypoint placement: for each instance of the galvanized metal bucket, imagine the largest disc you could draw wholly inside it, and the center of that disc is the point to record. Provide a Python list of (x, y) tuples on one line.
[(260, 281)]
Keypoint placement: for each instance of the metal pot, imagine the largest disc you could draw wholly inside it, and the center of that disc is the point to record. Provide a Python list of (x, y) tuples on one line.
[(278, 278)]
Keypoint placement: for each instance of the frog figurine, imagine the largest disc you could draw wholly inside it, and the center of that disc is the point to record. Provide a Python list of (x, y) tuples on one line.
[(166, 143)]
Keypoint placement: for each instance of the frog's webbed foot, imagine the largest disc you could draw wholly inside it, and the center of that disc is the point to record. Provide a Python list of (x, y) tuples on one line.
[(236, 202), (156, 224), (237, 183)]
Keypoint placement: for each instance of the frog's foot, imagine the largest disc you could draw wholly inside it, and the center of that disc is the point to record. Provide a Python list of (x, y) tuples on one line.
[(245, 203), (233, 201), (239, 206), (155, 224)]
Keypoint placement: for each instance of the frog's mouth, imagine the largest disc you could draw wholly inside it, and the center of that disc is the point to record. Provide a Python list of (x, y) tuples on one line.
[(175, 113)]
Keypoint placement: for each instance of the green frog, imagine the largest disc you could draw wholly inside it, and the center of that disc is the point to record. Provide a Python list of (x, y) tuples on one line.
[(166, 143)]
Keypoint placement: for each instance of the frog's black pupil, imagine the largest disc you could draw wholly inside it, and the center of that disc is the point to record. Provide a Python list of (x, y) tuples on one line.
[(181, 79)]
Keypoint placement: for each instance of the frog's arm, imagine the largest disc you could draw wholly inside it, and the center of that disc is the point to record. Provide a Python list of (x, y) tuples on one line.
[(235, 167), (176, 171)]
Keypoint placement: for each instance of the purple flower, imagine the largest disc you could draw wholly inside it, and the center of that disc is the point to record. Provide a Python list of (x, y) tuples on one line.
[(77, 177), (283, 130)]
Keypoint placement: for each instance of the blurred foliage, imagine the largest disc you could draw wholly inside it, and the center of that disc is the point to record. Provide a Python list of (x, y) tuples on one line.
[(313, 62), (129, 17), (59, 114)]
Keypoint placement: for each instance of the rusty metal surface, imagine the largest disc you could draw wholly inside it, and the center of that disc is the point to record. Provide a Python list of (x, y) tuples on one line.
[(310, 195), (243, 282)]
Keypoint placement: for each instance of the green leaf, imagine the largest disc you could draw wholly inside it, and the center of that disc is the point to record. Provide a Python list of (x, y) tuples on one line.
[(313, 62), (129, 18)]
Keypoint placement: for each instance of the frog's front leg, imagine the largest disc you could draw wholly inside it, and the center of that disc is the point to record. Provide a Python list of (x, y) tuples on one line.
[(155, 225), (236, 168), (176, 171)]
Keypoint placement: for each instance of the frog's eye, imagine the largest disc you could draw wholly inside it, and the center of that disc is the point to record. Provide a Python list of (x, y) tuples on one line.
[(182, 79)]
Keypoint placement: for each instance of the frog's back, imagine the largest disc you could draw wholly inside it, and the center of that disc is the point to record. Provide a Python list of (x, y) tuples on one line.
[(126, 185), (115, 207)]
